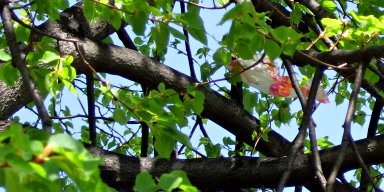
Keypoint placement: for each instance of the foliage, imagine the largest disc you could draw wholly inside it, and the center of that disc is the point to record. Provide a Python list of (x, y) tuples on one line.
[(56, 162), (32, 160), (167, 182)]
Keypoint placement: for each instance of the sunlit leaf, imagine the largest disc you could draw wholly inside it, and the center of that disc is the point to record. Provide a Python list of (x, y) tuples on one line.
[(145, 183)]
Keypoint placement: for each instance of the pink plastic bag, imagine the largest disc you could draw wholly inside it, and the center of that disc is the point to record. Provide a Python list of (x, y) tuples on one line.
[(265, 77)]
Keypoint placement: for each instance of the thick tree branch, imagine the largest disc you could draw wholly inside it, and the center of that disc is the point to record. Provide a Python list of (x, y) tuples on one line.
[(140, 73), (72, 23), (136, 67), (242, 172), (338, 57)]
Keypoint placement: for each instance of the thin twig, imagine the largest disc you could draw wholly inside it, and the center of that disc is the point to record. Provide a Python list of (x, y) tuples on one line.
[(202, 128), (86, 116), (312, 132), (128, 43), (362, 164), (190, 136), (319, 63), (295, 84), (347, 126), (205, 7), (91, 108), (299, 140), (187, 47), (22, 6), (372, 129)]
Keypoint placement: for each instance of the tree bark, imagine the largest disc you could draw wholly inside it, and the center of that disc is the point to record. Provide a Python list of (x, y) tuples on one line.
[(240, 172)]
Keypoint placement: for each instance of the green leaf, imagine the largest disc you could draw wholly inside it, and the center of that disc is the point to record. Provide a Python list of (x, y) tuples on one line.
[(49, 56), (22, 33), (228, 141), (264, 120), (264, 136), (39, 169), (145, 183), (296, 15), (243, 50), (272, 49), (284, 115), (50, 8), (18, 164), (288, 38), (65, 141), (90, 11), (185, 184), (371, 77), (160, 35), (339, 99), (168, 182), (4, 56), (195, 25), (8, 74), (176, 33), (249, 101), (369, 24), (284, 34), (116, 20), (119, 115), (222, 56), (211, 149), (36, 147), (197, 100), (332, 26), (164, 145), (328, 5), (360, 118), (238, 12), (161, 87), (139, 21), (67, 60), (324, 142)]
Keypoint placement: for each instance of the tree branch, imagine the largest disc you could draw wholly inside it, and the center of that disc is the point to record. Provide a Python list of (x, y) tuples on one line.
[(307, 118), (316, 8), (312, 132), (18, 62), (136, 67), (91, 107), (338, 57), (120, 170), (347, 126)]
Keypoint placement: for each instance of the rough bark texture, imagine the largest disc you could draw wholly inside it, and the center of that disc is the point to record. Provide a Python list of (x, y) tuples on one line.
[(136, 67), (120, 170)]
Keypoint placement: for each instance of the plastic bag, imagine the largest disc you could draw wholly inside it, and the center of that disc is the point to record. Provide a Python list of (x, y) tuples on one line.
[(265, 77)]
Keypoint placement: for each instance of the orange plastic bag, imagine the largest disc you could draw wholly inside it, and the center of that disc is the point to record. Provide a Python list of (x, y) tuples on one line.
[(265, 77)]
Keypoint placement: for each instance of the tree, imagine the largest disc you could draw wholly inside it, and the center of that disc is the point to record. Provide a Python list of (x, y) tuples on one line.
[(334, 44)]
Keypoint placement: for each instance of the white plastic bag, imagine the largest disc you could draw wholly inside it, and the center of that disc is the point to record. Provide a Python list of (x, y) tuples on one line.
[(265, 77)]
